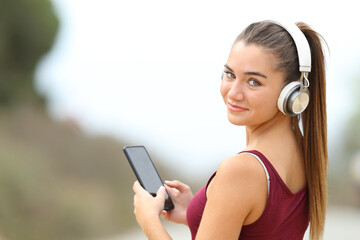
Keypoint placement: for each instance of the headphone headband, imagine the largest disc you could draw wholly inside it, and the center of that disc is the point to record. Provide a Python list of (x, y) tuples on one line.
[(302, 45), (294, 97)]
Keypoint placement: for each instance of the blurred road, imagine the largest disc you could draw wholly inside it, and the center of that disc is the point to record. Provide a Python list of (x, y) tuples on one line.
[(341, 223)]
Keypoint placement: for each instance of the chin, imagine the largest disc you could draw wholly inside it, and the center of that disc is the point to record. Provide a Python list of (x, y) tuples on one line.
[(237, 122)]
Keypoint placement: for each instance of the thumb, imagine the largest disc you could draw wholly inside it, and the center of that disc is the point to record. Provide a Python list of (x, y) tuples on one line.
[(161, 192)]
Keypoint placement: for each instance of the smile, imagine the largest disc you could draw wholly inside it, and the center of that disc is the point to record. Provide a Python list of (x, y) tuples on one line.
[(235, 108)]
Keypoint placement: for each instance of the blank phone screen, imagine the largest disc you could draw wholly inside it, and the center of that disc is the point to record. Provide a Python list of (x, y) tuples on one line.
[(145, 172), (144, 168)]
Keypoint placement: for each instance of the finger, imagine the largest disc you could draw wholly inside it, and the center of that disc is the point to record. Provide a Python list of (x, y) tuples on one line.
[(161, 192), (171, 189), (164, 212), (172, 184), (136, 183), (164, 215), (137, 188), (173, 192), (178, 185)]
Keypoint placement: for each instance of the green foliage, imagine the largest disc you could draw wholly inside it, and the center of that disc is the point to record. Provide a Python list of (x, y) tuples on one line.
[(27, 31), (56, 183)]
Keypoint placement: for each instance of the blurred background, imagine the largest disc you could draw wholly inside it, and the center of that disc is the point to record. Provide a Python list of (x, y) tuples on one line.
[(79, 79)]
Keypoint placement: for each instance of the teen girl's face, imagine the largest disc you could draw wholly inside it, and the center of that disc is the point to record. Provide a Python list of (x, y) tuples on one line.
[(251, 85)]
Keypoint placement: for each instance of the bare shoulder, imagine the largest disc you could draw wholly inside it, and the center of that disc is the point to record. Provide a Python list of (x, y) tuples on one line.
[(238, 189), (240, 176), (241, 167)]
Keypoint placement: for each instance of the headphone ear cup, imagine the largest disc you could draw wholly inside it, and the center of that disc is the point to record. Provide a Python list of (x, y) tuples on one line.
[(293, 101)]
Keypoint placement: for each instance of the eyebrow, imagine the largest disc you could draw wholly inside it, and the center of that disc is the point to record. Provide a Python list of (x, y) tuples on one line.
[(247, 73)]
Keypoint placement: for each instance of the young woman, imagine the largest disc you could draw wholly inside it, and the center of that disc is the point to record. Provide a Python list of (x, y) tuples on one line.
[(277, 185)]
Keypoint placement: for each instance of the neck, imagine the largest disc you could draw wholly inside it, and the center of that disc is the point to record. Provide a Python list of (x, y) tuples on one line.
[(277, 127)]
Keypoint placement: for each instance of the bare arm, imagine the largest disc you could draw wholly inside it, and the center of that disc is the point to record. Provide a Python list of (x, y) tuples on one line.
[(147, 210), (238, 188)]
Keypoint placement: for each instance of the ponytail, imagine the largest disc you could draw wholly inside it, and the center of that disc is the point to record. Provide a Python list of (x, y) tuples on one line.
[(314, 142)]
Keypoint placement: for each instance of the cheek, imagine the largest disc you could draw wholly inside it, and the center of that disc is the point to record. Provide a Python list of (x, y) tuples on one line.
[(224, 89), (265, 102)]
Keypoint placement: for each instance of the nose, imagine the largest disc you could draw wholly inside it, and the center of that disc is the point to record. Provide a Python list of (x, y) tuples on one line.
[(236, 91)]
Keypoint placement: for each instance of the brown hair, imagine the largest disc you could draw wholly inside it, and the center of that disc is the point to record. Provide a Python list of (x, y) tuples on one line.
[(313, 141)]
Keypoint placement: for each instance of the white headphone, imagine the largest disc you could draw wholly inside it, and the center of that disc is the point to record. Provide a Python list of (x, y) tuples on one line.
[(294, 97)]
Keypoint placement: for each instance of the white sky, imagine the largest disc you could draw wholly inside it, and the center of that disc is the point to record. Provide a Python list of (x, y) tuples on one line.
[(149, 71)]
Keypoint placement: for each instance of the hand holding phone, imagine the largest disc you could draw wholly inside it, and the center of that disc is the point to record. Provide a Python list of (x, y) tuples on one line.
[(146, 172)]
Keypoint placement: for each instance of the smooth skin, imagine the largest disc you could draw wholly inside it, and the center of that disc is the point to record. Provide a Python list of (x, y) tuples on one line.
[(238, 193)]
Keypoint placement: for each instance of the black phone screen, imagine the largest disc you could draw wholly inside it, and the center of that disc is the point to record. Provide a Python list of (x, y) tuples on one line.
[(145, 171)]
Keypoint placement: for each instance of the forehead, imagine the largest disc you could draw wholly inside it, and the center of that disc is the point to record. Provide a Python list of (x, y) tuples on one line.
[(251, 57)]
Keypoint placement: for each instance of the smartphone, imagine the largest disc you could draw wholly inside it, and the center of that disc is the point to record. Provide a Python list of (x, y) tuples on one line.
[(146, 172)]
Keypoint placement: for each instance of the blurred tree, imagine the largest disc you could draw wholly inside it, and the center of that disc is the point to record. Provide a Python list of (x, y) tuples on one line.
[(55, 183), (27, 31), (342, 188), (352, 142), (353, 126)]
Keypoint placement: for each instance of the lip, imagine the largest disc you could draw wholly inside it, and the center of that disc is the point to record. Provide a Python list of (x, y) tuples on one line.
[(235, 108)]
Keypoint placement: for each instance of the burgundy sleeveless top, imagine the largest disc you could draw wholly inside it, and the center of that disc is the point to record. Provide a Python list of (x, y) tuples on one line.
[(286, 215)]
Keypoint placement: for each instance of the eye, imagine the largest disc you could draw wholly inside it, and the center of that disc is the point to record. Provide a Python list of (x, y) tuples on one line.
[(255, 83), (229, 74)]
